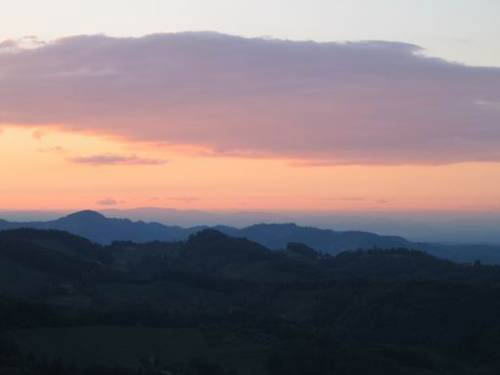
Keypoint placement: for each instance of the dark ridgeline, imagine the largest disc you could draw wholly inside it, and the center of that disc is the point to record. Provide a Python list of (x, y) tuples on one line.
[(216, 304), (97, 228), (103, 230)]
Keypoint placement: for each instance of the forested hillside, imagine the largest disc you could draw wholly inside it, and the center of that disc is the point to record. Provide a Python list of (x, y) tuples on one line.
[(215, 304)]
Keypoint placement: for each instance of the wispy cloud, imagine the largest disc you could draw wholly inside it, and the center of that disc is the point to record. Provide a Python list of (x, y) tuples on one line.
[(313, 163), (113, 159), (356, 199), (339, 103), (53, 149), (38, 134), (345, 199), (183, 199), (20, 44), (107, 202)]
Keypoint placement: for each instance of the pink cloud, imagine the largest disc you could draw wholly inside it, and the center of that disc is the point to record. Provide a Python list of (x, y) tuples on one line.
[(112, 159), (183, 199), (54, 149), (107, 202), (38, 134), (362, 102)]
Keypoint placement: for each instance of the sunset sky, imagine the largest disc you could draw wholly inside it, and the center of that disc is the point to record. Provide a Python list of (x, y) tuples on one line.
[(250, 105)]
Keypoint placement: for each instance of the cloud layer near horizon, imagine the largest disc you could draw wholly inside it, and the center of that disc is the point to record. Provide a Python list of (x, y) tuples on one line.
[(362, 102), (112, 159)]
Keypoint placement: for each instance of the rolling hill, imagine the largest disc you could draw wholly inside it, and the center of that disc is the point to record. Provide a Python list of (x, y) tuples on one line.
[(232, 306)]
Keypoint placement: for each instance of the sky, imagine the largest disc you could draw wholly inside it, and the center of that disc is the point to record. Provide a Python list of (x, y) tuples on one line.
[(250, 105)]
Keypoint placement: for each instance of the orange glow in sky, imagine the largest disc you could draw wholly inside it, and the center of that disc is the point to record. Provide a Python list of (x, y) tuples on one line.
[(45, 168)]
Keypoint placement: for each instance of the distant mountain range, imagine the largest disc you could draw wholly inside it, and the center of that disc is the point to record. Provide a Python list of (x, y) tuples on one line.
[(98, 228), (437, 226), (103, 230), (442, 227)]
